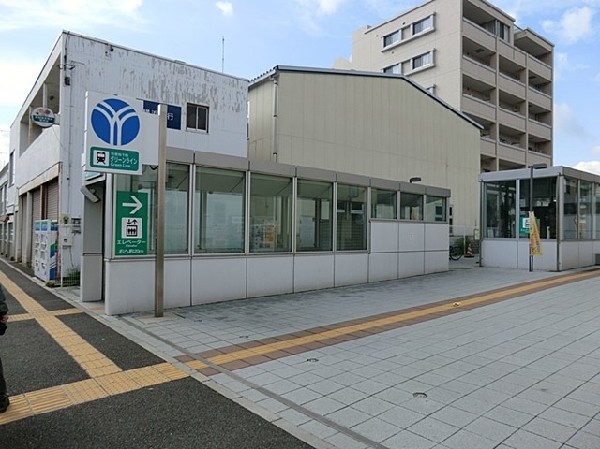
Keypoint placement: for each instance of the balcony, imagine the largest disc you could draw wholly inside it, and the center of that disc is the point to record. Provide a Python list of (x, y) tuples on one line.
[(478, 35), (539, 68), (511, 119), (512, 53), (541, 130), (488, 146), (540, 99), (512, 86), (539, 158), (478, 71), (512, 153), (478, 108)]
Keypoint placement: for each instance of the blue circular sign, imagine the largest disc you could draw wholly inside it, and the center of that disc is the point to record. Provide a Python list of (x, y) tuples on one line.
[(115, 122)]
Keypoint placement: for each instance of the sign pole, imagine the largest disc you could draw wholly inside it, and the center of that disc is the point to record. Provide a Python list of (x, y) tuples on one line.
[(160, 212)]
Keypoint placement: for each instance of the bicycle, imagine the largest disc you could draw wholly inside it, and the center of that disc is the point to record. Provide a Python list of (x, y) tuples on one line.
[(454, 253)]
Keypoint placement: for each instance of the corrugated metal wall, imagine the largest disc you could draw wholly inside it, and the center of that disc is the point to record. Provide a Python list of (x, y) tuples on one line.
[(52, 200)]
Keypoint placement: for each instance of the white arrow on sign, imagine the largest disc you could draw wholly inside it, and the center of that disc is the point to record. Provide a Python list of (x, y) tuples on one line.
[(136, 205)]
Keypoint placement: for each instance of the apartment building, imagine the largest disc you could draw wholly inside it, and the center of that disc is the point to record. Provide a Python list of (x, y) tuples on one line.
[(473, 56)]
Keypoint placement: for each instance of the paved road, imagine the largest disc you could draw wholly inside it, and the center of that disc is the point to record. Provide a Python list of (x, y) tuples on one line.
[(76, 383), (473, 358)]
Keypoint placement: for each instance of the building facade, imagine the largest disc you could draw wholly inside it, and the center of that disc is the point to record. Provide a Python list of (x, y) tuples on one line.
[(234, 227), (371, 124), (206, 112), (566, 205), (471, 54)]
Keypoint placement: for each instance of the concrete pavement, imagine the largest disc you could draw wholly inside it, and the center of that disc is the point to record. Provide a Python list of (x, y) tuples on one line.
[(473, 358)]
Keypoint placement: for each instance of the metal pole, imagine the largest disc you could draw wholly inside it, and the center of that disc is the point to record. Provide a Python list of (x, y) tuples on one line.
[(159, 277), (530, 210)]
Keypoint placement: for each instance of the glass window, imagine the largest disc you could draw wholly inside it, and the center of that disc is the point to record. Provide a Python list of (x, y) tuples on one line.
[(584, 219), (219, 205), (411, 206), (422, 60), (270, 213), (394, 69), (384, 204), (570, 209), (351, 218), (314, 216), (197, 117), (176, 204), (422, 25), (544, 206), (176, 209), (500, 214), (391, 38), (435, 208)]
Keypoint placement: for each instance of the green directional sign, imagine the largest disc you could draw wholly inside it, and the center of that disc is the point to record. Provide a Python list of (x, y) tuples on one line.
[(113, 160), (131, 224)]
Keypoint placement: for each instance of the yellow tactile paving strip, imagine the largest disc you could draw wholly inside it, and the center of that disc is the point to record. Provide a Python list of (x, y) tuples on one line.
[(28, 316), (106, 378), (239, 358)]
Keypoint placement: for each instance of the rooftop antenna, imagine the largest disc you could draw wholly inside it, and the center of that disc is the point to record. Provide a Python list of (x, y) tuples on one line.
[(223, 54)]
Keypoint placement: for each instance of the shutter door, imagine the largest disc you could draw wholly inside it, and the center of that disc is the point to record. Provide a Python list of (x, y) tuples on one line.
[(36, 197), (52, 200)]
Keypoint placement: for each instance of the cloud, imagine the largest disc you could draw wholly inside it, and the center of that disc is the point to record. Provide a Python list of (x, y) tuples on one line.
[(567, 123), (16, 80), (322, 7), (310, 12), (225, 7), (68, 14), (574, 25), (589, 166), (562, 64)]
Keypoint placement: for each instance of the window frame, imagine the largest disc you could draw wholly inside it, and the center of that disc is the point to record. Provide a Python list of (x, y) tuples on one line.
[(427, 23), (390, 37), (197, 107)]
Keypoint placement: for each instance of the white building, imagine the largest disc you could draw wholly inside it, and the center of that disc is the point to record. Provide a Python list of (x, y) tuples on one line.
[(207, 112), (471, 54), (235, 226), (372, 124)]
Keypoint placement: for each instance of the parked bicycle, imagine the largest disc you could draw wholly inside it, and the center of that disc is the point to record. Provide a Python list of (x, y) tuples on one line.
[(455, 253)]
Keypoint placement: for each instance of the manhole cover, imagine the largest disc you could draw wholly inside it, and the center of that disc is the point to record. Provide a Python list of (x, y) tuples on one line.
[(420, 395)]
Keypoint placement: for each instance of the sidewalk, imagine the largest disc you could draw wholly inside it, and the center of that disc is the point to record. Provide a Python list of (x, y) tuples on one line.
[(473, 358)]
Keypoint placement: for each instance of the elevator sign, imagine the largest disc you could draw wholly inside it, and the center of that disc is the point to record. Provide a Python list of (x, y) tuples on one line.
[(131, 224)]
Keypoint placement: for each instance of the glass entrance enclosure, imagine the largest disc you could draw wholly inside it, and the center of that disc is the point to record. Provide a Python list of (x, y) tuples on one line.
[(566, 205)]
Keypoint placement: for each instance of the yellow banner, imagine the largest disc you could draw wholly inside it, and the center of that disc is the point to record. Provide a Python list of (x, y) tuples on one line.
[(534, 237)]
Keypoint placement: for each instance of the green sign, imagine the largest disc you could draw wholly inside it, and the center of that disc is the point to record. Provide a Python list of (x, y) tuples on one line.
[(115, 161), (131, 224), (524, 226)]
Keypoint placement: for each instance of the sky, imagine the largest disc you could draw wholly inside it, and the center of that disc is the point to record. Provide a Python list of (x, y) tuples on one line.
[(247, 38)]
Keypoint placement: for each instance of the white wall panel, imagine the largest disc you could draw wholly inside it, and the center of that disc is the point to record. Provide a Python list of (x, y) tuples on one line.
[(351, 269), (586, 254), (411, 236), (270, 275), (569, 252), (383, 266), (499, 253), (411, 264), (312, 272), (437, 237), (384, 237), (128, 286), (216, 279), (436, 261), (177, 283)]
